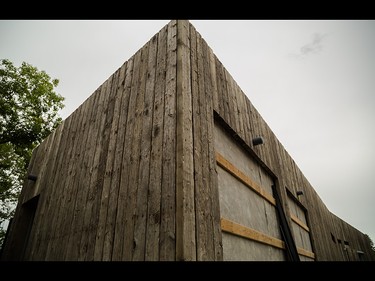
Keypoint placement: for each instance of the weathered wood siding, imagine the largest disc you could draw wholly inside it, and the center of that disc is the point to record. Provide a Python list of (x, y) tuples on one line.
[(103, 173), (131, 174), (231, 104)]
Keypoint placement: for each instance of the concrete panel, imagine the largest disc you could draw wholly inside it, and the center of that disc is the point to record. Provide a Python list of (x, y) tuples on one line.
[(297, 235), (242, 205), (234, 153), (303, 258), (236, 248), (301, 237), (297, 210)]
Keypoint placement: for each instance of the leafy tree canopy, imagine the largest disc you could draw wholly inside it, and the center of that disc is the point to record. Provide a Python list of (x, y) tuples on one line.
[(28, 113)]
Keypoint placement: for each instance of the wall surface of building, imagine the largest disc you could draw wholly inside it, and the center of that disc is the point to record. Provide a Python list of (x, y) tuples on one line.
[(158, 164)]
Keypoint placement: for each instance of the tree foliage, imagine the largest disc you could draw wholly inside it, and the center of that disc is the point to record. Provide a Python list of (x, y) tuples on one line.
[(28, 113)]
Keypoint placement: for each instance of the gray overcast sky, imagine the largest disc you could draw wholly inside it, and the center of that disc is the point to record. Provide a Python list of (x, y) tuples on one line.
[(312, 81)]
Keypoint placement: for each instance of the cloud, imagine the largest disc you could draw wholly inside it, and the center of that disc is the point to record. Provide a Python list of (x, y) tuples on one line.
[(313, 47)]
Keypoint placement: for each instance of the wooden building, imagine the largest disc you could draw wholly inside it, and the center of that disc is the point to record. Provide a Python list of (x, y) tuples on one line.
[(169, 160)]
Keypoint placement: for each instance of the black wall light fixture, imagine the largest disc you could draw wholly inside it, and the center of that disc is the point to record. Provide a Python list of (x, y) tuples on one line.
[(257, 141), (32, 177)]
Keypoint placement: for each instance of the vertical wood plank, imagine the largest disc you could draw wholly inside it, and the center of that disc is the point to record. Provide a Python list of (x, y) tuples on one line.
[(104, 154), (248, 121), (33, 169), (273, 151), (214, 240), (240, 109), (81, 185), (74, 183), (223, 92), (51, 164), (64, 196), (256, 129), (92, 192), (228, 100), (41, 168), (69, 188), (49, 206), (42, 210), (232, 102), (37, 167), (138, 92), (109, 166), (197, 91), (213, 75), (154, 191), (205, 246), (144, 165), (114, 229), (168, 188), (121, 222), (53, 220), (265, 146), (185, 220)]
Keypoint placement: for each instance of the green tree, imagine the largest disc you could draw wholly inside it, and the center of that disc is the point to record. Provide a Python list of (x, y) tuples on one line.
[(28, 113)]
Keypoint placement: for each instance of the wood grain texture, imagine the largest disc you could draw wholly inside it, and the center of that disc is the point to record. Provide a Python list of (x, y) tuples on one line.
[(210, 77), (109, 165), (126, 189), (104, 154), (154, 190), (59, 230), (200, 180), (185, 212), (168, 189), (49, 205), (145, 164), (137, 92), (114, 223), (38, 187), (92, 192), (131, 173)]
